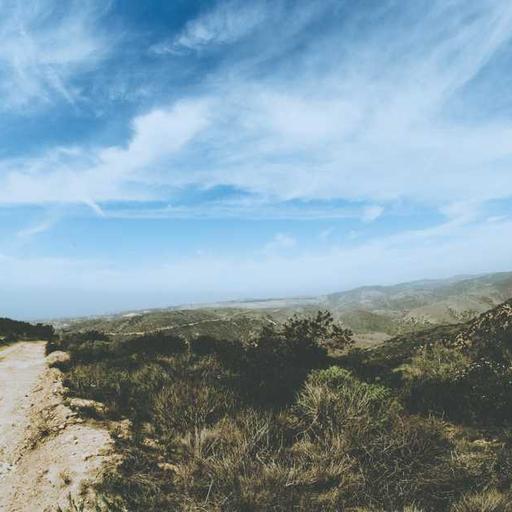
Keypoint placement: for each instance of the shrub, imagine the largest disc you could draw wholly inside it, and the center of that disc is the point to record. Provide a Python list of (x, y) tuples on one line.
[(276, 363), (16, 330), (100, 382), (154, 345), (446, 382), (207, 345), (433, 382), (125, 390), (399, 459), (436, 362), (267, 424), (181, 406), (332, 399), (320, 329)]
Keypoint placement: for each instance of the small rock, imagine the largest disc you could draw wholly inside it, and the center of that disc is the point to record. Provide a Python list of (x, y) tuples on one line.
[(87, 405), (5, 467), (165, 466), (57, 357)]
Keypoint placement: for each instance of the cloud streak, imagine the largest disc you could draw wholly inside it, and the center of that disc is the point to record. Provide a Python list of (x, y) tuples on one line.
[(371, 124), (77, 176), (225, 23), (43, 48)]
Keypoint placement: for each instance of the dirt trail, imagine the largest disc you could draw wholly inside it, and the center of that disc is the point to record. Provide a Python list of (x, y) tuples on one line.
[(166, 328), (47, 453), (20, 367)]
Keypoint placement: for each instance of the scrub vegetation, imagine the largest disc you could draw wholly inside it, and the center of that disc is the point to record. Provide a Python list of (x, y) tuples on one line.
[(14, 330), (294, 417)]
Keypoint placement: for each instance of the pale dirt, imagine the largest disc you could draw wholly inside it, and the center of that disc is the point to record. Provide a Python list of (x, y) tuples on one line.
[(47, 453)]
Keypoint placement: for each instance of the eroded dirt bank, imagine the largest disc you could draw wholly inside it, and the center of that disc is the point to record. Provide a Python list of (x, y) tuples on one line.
[(47, 453)]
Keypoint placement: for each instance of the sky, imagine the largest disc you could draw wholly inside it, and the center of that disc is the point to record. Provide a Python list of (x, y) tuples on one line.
[(182, 151)]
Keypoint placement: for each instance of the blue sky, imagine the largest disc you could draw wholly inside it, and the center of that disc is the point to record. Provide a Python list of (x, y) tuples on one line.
[(165, 152)]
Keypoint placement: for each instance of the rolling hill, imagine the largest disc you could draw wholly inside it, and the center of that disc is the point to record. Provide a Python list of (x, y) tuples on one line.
[(374, 313), (421, 422)]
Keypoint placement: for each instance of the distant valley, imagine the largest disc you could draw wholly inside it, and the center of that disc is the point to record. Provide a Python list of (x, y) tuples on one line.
[(373, 313)]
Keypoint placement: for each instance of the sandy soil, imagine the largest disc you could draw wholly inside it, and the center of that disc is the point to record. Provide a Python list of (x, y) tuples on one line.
[(20, 367), (47, 453)]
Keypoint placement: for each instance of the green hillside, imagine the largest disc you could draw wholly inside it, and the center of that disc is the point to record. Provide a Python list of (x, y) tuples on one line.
[(291, 417), (373, 312)]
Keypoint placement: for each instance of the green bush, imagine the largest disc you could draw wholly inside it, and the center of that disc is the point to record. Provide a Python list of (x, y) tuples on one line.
[(332, 399), (276, 363), (16, 330), (154, 344), (433, 382)]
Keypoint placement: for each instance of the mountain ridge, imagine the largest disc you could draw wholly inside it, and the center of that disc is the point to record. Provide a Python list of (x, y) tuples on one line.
[(374, 313)]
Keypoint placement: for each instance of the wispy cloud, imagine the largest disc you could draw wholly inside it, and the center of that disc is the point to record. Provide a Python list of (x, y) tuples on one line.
[(43, 48), (372, 213), (247, 208), (326, 234), (90, 177), (225, 23), (280, 242), (361, 119), (37, 228)]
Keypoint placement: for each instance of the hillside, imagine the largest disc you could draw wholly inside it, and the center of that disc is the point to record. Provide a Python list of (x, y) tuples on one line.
[(14, 330), (461, 371), (230, 323), (492, 329), (373, 313), (281, 421)]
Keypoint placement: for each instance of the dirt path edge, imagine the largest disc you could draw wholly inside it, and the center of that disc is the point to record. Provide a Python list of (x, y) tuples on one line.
[(59, 456)]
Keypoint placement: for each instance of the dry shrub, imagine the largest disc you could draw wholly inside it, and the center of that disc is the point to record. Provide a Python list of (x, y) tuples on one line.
[(398, 459)]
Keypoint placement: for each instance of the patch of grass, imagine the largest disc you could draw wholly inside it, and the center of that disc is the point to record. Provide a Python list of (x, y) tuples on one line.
[(488, 501)]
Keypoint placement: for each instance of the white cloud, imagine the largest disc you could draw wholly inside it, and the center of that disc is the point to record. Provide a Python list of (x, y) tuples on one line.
[(226, 23), (43, 48), (280, 242), (366, 121), (36, 229), (92, 177), (373, 127), (305, 124), (326, 234), (372, 213)]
